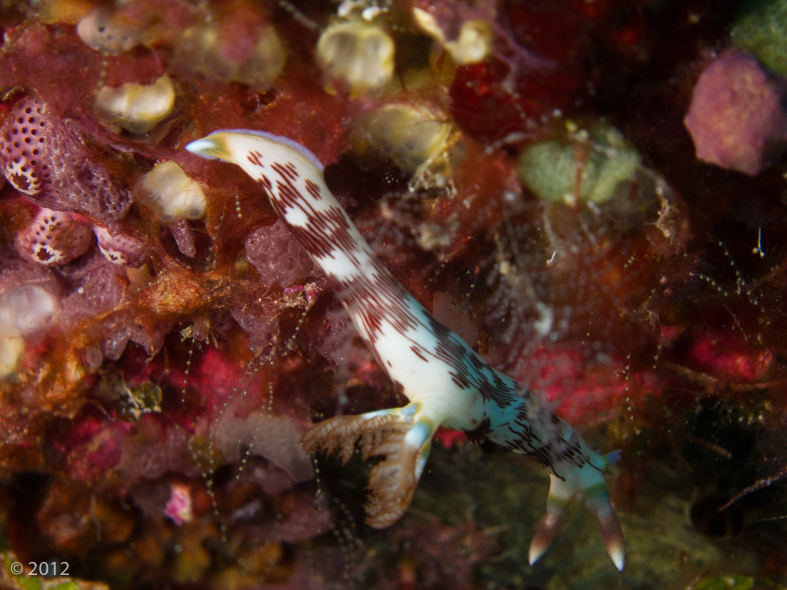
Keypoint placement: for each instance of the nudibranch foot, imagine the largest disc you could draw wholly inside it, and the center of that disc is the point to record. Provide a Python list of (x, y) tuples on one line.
[(341, 433), (445, 380), (390, 434)]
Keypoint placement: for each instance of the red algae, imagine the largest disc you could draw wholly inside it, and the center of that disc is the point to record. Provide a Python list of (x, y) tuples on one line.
[(150, 426)]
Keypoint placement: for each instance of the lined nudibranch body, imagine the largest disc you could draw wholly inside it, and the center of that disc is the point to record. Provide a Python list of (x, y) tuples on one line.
[(447, 383)]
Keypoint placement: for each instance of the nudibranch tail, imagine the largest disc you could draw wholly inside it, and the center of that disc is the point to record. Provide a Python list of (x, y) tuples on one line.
[(446, 381), (589, 482)]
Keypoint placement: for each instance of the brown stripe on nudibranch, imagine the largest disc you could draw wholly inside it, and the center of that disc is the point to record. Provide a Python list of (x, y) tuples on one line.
[(417, 350), (286, 171), (255, 158), (446, 381), (478, 435), (313, 190)]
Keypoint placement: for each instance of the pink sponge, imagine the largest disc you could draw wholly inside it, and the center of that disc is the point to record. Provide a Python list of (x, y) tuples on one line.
[(53, 237), (45, 158), (23, 138), (736, 118), (278, 256)]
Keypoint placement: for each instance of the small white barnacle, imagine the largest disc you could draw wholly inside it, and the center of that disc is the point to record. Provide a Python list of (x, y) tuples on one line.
[(170, 193), (356, 56), (137, 108)]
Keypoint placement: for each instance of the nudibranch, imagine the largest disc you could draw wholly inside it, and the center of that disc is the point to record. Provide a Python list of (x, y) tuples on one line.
[(447, 383)]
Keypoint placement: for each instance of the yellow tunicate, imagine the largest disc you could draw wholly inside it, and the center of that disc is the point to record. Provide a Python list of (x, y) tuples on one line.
[(409, 136), (63, 11), (472, 45), (170, 193), (12, 347), (199, 48), (356, 56), (136, 107)]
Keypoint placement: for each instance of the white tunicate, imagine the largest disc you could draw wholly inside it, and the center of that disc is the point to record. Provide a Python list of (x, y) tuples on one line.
[(103, 31), (593, 165), (24, 311), (27, 310), (473, 45), (170, 193), (93, 357), (136, 107)]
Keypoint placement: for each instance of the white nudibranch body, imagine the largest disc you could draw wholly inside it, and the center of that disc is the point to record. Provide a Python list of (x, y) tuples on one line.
[(446, 382), (170, 193), (137, 108)]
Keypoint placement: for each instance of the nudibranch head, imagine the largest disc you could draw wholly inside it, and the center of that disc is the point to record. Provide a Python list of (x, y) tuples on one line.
[(235, 145)]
